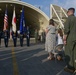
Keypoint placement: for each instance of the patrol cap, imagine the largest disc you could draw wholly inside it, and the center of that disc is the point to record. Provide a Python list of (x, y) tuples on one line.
[(73, 9)]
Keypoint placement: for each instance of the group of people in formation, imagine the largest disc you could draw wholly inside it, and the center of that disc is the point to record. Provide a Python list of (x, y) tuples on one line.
[(6, 36), (63, 41)]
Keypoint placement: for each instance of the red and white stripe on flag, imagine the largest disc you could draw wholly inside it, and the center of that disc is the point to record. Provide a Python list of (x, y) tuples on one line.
[(14, 21), (5, 21)]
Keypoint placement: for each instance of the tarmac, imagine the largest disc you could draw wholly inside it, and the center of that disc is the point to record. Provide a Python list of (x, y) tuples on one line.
[(30, 60)]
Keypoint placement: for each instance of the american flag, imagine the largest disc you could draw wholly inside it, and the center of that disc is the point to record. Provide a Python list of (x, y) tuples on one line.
[(5, 21)]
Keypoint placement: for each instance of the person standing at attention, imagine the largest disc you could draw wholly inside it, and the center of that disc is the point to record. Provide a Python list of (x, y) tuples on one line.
[(70, 41), (0, 37), (21, 39), (28, 36), (36, 36), (50, 39), (6, 37), (14, 37)]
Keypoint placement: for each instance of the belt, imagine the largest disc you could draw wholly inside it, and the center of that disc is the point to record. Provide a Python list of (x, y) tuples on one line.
[(52, 33)]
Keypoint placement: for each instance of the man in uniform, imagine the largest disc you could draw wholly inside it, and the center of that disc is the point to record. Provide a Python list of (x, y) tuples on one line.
[(28, 36), (21, 39), (0, 37), (43, 36), (14, 36), (70, 41), (36, 36), (6, 37)]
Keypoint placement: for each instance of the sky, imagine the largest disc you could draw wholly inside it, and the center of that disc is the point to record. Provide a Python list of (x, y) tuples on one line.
[(45, 4)]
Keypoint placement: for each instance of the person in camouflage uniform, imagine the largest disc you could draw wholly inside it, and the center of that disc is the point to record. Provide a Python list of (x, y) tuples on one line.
[(70, 41)]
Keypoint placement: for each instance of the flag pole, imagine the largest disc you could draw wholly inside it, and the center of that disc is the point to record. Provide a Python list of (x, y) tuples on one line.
[(10, 32), (22, 7), (6, 5)]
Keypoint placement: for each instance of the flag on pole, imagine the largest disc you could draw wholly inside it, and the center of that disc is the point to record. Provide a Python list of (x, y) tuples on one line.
[(10, 32), (24, 27), (14, 21), (5, 21), (22, 23)]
